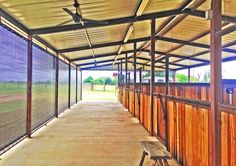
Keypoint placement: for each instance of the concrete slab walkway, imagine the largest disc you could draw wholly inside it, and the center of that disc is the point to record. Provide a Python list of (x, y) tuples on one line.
[(92, 133)]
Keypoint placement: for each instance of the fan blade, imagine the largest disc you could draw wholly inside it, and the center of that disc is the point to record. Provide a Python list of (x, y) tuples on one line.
[(94, 21), (65, 22), (68, 11)]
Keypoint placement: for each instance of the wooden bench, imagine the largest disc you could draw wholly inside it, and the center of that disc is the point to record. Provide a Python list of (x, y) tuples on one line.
[(156, 151)]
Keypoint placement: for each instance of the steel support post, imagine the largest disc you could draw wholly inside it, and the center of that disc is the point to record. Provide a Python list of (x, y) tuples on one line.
[(29, 85), (128, 89), (174, 76), (118, 68), (76, 88), (121, 72), (134, 65), (215, 85), (166, 101), (126, 69), (140, 78), (189, 75), (56, 86), (140, 90), (81, 85), (152, 73), (69, 85)]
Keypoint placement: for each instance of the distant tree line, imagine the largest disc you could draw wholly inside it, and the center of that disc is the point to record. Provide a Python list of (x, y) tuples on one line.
[(100, 81), (183, 78)]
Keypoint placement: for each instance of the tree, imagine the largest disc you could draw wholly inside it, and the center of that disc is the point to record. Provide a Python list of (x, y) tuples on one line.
[(194, 79), (146, 75), (160, 73), (89, 79), (115, 81), (206, 77), (100, 81), (182, 77), (108, 81)]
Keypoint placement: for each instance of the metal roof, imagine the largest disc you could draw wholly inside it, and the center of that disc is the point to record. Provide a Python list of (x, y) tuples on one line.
[(182, 31)]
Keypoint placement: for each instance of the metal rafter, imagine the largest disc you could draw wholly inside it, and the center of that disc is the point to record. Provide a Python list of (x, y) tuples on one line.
[(165, 39), (129, 30), (124, 20), (112, 54), (116, 21), (208, 62), (110, 64), (172, 22), (15, 22)]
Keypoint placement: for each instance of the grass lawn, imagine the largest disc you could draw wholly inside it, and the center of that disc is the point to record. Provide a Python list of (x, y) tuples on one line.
[(98, 95)]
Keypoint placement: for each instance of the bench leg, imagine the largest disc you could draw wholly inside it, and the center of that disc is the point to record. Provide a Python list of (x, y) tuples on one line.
[(154, 163), (142, 159), (165, 162), (160, 163)]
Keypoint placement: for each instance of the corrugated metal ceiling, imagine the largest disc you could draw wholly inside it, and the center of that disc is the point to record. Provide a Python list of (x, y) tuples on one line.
[(45, 13)]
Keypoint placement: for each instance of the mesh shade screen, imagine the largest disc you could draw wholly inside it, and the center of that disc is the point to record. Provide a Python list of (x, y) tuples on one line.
[(79, 85), (73, 86), (63, 85), (13, 87), (43, 87)]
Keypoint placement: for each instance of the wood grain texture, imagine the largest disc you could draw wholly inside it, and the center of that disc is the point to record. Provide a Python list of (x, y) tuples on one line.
[(188, 124)]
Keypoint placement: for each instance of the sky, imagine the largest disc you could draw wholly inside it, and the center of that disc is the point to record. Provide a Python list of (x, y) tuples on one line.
[(228, 71), (96, 74)]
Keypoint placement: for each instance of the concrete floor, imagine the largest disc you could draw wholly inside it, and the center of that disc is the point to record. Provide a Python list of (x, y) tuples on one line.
[(92, 133)]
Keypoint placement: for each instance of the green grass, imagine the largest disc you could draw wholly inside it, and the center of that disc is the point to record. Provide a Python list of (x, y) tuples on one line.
[(12, 88), (43, 96), (13, 96)]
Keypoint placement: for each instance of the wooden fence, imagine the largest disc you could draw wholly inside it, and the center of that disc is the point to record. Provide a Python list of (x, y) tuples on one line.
[(188, 128)]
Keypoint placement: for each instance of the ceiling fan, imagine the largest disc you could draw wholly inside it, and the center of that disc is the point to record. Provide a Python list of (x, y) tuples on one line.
[(77, 17)]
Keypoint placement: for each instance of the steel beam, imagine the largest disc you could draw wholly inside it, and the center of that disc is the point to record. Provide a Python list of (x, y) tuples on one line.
[(126, 69), (118, 69), (134, 66), (56, 86), (14, 21), (215, 86), (121, 71), (228, 59), (25, 29), (140, 58), (166, 102), (201, 14), (174, 76), (140, 90), (88, 68), (117, 43), (76, 88), (152, 73), (177, 56), (98, 56), (98, 62), (170, 23), (124, 20), (188, 74), (69, 85), (29, 85), (226, 30), (94, 67), (81, 85)]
